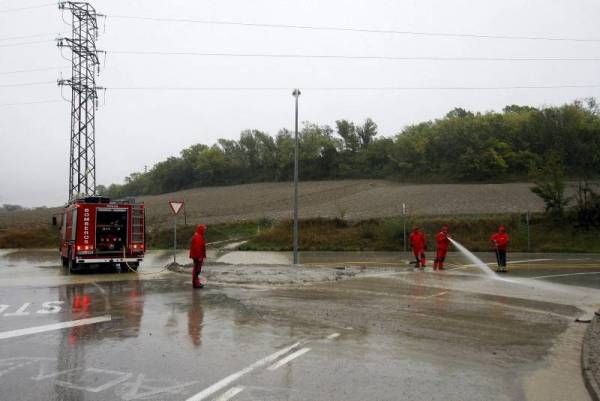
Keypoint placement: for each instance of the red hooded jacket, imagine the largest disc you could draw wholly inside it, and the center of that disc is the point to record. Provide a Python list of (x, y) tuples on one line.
[(417, 240), (198, 245), (500, 239), (442, 240)]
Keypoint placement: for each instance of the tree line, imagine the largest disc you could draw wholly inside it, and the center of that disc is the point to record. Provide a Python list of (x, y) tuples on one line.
[(461, 146)]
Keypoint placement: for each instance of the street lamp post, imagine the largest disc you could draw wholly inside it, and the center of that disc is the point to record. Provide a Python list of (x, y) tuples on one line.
[(404, 227), (296, 94)]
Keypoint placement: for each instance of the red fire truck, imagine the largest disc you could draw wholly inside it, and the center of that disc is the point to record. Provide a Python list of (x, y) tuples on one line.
[(95, 231)]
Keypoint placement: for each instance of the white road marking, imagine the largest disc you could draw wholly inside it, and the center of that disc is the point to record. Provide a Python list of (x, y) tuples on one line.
[(10, 364), (51, 327), (120, 377), (332, 336), (566, 275), (461, 267), (439, 294), (42, 375), (511, 262), (235, 376), (20, 311), (288, 358), (151, 389), (51, 307), (229, 394)]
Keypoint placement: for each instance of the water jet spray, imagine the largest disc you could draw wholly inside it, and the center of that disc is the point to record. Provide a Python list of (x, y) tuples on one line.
[(474, 259)]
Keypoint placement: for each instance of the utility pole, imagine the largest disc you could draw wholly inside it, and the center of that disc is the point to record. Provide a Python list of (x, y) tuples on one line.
[(84, 95), (296, 94)]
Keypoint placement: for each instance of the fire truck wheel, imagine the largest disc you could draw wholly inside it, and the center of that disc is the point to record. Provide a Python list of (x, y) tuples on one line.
[(71, 265)]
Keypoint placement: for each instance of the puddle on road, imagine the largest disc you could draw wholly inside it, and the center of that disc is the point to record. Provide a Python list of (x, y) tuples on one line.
[(21, 257)]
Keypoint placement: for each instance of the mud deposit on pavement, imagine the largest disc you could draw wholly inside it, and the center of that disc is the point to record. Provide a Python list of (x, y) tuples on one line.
[(269, 275)]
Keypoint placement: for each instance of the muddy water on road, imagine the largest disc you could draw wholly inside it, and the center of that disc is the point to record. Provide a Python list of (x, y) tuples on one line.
[(404, 334)]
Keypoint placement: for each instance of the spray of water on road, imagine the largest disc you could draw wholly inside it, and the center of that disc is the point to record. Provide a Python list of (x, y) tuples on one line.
[(474, 259), (489, 273)]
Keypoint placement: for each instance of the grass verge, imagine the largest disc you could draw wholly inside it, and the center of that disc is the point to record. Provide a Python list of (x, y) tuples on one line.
[(30, 237), (388, 234), (322, 234)]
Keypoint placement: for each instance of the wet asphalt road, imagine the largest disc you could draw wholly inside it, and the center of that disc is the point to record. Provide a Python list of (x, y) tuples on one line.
[(388, 334)]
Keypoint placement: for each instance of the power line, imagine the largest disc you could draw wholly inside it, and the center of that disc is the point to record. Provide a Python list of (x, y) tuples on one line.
[(31, 70), (351, 57), (10, 10), (326, 88), (37, 42), (380, 88), (354, 29), (8, 1), (30, 103), (28, 84), (28, 36)]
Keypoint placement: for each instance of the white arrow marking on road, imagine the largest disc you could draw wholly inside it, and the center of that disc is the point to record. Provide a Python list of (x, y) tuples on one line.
[(51, 327)]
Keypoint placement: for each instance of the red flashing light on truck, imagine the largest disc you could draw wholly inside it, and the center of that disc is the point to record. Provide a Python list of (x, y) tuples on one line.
[(97, 231)]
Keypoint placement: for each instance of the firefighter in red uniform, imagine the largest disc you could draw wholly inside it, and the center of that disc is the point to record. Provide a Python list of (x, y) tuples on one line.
[(442, 241), (418, 244), (198, 254), (500, 242)]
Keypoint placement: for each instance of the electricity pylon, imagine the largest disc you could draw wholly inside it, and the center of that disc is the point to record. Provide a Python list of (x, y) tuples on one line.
[(85, 66)]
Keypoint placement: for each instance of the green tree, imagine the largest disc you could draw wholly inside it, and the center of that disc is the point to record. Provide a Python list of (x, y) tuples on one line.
[(366, 132), (587, 206), (549, 180), (347, 130)]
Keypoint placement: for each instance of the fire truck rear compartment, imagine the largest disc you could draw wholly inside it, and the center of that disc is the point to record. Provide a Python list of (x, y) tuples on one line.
[(111, 230)]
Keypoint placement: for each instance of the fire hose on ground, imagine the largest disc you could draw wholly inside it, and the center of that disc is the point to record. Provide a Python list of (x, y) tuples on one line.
[(131, 269)]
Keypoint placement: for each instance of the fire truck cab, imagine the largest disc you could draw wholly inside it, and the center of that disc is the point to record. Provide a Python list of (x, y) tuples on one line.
[(97, 231)]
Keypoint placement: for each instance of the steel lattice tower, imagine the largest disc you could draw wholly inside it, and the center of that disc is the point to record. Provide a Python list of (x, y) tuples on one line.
[(84, 96)]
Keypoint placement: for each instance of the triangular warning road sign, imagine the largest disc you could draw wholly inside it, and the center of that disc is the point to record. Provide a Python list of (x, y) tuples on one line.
[(175, 206)]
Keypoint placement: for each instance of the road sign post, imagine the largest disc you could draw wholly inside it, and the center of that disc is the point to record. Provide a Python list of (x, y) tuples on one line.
[(175, 208)]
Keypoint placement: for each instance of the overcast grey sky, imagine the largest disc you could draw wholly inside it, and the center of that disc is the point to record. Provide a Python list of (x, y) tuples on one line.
[(138, 128)]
